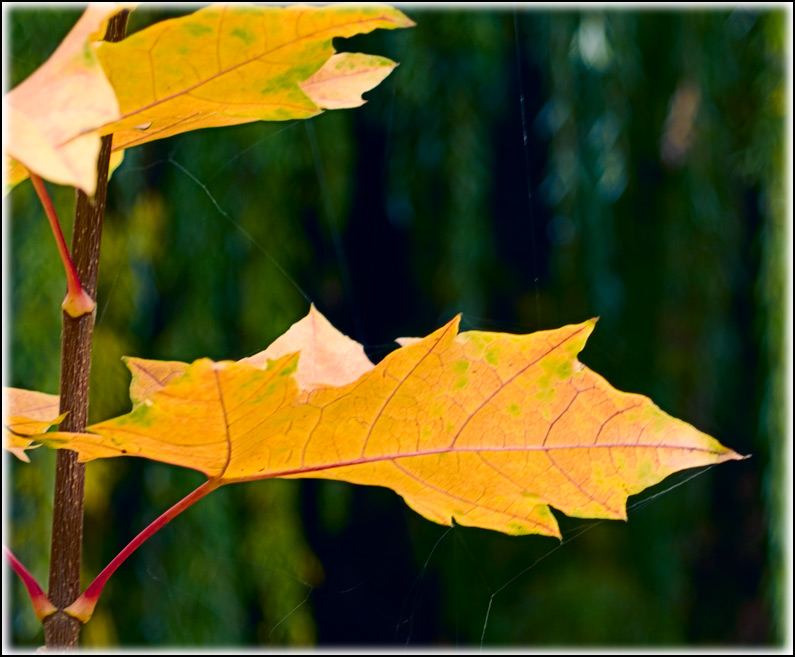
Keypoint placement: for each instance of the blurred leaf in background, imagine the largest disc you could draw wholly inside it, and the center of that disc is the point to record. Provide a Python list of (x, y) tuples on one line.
[(645, 185)]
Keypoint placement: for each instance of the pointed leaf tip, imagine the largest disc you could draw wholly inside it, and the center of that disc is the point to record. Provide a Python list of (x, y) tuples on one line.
[(327, 357), (342, 80)]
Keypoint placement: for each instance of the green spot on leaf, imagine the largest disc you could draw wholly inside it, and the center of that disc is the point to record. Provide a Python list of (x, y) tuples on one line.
[(478, 340), (142, 417), (197, 29), (645, 471), (559, 367), (461, 366), (460, 382), (245, 36)]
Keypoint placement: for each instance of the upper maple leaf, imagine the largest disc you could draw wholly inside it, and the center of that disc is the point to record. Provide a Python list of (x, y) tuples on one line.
[(488, 429), (222, 65)]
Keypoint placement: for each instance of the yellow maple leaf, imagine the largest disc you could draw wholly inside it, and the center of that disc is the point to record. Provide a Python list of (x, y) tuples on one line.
[(488, 429), (222, 65), (231, 64)]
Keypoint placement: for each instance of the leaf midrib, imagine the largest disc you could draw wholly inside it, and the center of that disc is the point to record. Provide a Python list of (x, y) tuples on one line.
[(458, 450)]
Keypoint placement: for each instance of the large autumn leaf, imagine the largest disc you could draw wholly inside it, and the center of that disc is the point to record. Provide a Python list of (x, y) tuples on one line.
[(222, 65), (52, 115), (484, 428)]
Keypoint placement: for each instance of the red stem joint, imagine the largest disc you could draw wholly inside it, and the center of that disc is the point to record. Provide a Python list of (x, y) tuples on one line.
[(42, 606), (77, 301)]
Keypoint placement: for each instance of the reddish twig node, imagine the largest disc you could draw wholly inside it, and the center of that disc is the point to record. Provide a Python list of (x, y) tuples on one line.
[(42, 606), (77, 301)]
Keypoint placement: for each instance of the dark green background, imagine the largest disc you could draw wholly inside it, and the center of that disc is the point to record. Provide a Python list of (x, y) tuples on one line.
[(392, 218)]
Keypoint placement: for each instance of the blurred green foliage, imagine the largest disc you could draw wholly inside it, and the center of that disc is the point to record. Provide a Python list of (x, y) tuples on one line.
[(644, 185)]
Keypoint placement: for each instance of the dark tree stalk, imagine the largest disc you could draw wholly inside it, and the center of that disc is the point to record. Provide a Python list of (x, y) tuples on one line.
[(61, 631)]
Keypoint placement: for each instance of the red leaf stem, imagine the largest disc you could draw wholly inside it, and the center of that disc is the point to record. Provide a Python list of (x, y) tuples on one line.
[(83, 607), (77, 301), (38, 598)]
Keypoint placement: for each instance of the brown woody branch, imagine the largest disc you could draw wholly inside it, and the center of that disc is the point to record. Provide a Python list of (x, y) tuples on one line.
[(61, 631)]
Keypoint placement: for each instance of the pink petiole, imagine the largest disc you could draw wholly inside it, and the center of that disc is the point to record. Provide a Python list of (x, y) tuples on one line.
[(77, 301)]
